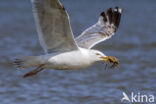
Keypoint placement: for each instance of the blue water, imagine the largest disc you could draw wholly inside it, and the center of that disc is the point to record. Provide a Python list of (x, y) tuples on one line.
[(134, 44)]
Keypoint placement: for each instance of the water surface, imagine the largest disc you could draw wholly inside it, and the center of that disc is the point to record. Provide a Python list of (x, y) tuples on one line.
[(134, 44)]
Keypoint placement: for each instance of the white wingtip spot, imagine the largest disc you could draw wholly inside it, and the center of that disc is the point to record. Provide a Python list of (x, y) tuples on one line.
[(115, 10), (120, 10)]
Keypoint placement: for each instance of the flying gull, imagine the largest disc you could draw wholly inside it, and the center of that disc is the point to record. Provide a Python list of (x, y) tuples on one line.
[(62, 51)]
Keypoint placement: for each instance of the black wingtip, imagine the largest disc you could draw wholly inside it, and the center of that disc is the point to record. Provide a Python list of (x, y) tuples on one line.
[(116, 7), (104, 16), (113, 16), (117, 16), (110, 15)]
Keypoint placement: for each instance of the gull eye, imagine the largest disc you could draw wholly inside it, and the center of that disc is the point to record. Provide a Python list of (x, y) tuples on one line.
[(97, 54)]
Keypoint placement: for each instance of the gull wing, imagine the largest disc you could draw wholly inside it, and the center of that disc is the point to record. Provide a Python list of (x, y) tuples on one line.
[(104, 29), (53, 26)]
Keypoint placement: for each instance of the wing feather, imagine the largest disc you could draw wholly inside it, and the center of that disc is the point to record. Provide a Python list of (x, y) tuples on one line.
[(104, 29), (53, 26)]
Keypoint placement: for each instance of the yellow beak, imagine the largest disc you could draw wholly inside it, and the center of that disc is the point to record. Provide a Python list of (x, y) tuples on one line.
[(106, 58)]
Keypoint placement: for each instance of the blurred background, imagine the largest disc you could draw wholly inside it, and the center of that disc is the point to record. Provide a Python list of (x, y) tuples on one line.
[(134, 44)]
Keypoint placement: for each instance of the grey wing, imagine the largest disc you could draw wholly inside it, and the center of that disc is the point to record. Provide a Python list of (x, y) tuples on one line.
[(53, 26), (104, 29)]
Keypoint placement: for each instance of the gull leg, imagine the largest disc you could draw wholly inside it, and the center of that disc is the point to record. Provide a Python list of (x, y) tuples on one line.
[(106, 66), (34, 72)]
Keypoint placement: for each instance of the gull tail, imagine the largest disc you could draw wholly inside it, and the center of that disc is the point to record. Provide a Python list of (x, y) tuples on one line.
[(23, 62)]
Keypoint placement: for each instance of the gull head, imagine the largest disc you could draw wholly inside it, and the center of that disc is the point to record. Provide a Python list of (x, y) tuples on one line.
[(110, 60)]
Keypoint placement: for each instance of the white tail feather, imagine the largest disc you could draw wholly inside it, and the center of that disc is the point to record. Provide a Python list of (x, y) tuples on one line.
[(27, 62)]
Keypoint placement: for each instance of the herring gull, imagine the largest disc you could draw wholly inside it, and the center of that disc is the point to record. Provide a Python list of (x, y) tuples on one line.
[(62, 51)]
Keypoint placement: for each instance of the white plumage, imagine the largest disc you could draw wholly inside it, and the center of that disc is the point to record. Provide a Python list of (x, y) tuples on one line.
[(57, 39)]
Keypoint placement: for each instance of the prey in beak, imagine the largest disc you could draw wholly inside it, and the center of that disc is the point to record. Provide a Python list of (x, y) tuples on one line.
[(111, 61)]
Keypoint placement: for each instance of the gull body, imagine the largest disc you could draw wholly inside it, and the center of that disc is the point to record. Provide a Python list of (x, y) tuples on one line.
[(77, 59)]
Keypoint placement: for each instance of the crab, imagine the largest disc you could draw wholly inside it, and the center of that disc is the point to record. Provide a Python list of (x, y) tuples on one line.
[(112, 62)]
